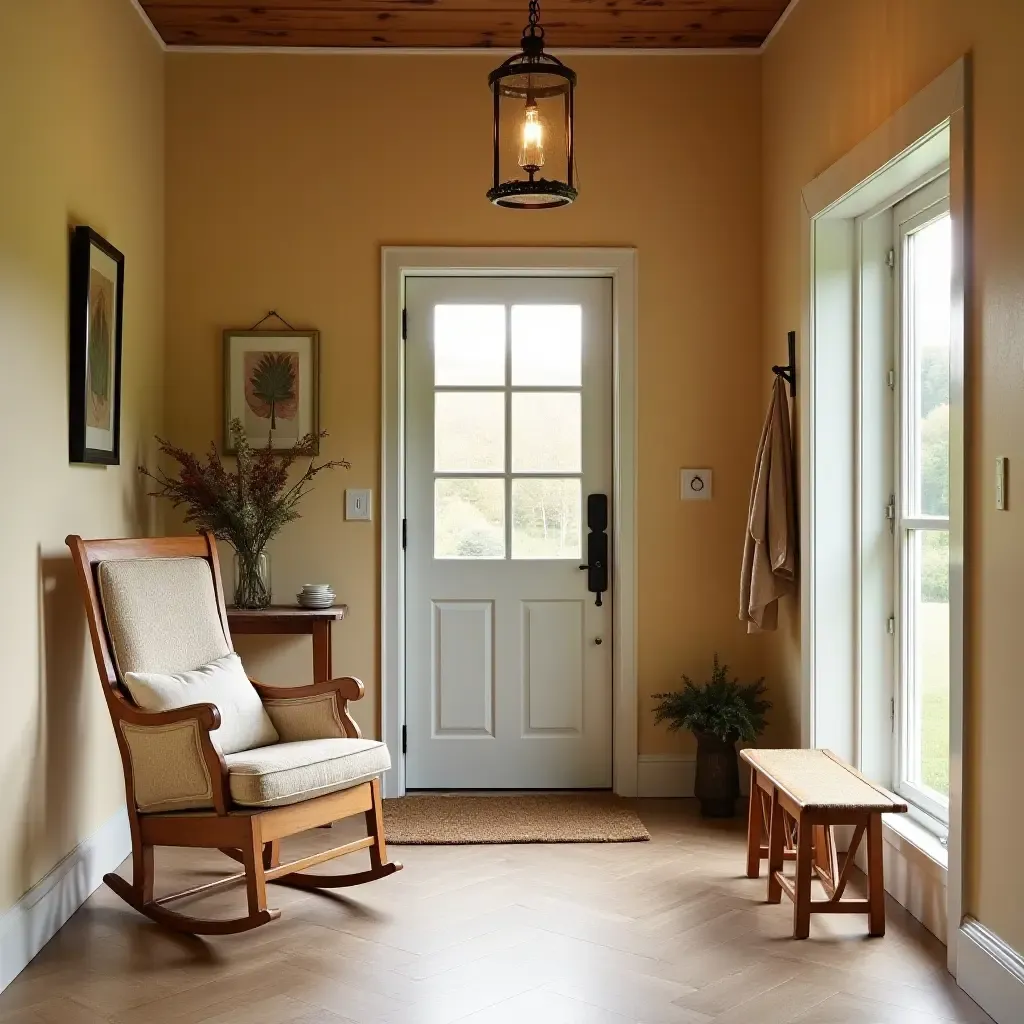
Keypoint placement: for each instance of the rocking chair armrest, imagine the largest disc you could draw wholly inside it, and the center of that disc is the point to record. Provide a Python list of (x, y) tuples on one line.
[(345, 687), (205, 717), (317, 711)]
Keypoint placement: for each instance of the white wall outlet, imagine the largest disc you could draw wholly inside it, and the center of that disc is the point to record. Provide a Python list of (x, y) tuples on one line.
[(695, 484), (1001, 483), (358, 504)]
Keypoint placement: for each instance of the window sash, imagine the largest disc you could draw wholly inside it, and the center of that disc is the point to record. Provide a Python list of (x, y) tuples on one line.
[(915, 213), (906, 727)]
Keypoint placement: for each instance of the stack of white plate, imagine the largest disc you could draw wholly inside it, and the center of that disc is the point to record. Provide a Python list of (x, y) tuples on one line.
[(315, 595)]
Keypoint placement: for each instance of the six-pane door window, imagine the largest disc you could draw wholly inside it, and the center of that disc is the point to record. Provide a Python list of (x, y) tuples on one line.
[(508, 444)]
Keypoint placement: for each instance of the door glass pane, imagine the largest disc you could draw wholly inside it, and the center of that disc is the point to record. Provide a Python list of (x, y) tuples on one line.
[(546, 516), (469, 431), (929, 258), (469, 518), (547, 345), (546, 434), (929, 746), (469, 345)]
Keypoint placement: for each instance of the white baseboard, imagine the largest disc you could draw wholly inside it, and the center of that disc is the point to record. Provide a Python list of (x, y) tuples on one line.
[(42, 911), (671, 775), (664, 775), (990, 972)]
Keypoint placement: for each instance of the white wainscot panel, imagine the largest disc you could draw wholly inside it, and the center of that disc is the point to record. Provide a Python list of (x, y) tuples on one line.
[(553, 666), (463, 683)]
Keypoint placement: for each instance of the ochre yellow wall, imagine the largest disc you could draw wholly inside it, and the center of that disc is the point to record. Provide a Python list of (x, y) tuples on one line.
[(285, 176), (81, 104), (834, 73)]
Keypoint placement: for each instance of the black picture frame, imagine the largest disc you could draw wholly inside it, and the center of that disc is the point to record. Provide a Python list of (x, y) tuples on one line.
[(95, 394)]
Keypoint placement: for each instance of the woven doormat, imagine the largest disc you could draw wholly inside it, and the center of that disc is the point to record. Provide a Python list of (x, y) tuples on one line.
[(457, 820)]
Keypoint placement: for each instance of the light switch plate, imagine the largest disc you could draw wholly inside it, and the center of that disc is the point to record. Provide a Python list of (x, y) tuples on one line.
[(695, 484), (358, 504)]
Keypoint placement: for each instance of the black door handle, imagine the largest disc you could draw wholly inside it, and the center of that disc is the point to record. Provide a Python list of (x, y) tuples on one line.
[(596, 565)]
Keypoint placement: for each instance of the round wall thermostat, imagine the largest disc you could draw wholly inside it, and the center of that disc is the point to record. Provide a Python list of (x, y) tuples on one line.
[(695, 484)]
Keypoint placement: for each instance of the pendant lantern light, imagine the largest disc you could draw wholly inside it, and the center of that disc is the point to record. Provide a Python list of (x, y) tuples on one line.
[(533, 126)]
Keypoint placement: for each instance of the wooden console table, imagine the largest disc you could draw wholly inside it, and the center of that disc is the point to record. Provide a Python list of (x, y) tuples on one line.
[(289, 620)]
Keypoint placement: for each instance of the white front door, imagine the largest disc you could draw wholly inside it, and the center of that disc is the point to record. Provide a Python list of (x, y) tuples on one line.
[(508, 431)]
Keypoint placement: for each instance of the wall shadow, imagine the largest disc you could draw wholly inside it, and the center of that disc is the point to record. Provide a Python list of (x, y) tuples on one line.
[(54, 820)]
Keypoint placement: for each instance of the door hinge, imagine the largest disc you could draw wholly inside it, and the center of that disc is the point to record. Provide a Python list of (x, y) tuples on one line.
[(890, 626), (405, 739), (405, 532), (890, 258), (891, 381), (892, 714), (890, 513), (405, 324)]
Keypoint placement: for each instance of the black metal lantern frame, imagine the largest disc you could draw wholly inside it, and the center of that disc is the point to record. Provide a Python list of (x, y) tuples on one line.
[(523, 79)]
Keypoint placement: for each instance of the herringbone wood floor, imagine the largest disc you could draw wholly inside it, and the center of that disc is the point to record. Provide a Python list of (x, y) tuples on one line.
[(666, 932)]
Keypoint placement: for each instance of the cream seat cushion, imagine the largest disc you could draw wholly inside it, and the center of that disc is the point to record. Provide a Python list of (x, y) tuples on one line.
[(287, 773), (244, 722)]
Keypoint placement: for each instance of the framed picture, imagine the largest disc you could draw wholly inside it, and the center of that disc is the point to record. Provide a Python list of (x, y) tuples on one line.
[(96, 291), (271, 384)]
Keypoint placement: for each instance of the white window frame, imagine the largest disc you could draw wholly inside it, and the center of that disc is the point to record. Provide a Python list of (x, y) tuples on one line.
[(929, 130), (912, 214)]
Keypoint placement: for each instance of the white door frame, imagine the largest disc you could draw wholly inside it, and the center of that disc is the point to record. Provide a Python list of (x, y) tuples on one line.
[(399, 263)]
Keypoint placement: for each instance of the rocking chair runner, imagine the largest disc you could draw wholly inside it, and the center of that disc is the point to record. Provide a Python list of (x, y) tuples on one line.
[(157, 606)]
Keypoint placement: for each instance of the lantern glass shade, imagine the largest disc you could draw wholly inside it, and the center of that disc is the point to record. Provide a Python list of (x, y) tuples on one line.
[(533, 132)]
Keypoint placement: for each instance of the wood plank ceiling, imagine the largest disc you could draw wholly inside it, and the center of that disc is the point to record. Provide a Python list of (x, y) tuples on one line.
[(636, 24)]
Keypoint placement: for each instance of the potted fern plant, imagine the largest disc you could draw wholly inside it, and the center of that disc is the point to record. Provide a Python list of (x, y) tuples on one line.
[(719, 714)]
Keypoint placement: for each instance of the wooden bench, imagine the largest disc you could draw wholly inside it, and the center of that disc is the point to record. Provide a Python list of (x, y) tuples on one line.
[(797, 798)]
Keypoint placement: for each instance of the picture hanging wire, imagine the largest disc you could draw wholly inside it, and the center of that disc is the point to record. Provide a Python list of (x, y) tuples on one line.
[(273, 312)]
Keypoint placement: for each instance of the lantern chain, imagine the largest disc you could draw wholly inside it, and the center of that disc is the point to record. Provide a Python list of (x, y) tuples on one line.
[(534, 29)]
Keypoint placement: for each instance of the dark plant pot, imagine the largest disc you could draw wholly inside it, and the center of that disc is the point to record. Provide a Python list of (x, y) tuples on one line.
[(717, 785)]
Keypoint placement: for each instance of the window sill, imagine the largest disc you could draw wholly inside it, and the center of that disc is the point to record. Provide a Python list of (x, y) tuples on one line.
[(911, 838)]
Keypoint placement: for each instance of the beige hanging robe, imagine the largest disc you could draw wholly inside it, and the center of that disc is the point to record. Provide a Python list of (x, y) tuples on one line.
[(770, 546)]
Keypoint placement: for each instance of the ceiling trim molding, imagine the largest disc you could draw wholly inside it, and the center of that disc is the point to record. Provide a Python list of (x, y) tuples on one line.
[(471, 51), (152, 28), (777, 27)]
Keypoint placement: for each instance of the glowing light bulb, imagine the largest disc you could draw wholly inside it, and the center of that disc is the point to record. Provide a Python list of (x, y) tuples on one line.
[(531, 152)]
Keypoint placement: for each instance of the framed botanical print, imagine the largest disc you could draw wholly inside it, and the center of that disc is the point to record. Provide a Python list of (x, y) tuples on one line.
[(271, 384), (96, 293)]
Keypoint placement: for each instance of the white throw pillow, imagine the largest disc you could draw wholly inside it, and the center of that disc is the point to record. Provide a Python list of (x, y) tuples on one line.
[(244, 723)]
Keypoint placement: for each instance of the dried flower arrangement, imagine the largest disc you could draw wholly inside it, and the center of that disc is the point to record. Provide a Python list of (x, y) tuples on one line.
[(246, 508)]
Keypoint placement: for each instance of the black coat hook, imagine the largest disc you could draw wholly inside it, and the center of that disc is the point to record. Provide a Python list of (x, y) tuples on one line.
[(788, 372)]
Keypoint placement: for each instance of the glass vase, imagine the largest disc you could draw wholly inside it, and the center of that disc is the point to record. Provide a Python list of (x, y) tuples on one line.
[(252, 579)]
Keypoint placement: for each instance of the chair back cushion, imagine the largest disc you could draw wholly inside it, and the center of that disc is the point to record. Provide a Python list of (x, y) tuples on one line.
[(161, 614), (244, 724)]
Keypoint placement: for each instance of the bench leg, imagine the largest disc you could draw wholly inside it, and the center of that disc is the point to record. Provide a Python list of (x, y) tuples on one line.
[(776, 848), (802, 886), (876, 881), (754, 828)]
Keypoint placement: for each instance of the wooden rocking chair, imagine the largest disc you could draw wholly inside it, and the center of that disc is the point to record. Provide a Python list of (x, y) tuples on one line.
[(157, 606)]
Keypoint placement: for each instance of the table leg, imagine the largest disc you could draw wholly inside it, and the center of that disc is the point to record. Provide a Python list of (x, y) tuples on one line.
[(776, 848), (754, 829), (321, 652), (802, 885), (876, 882)]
